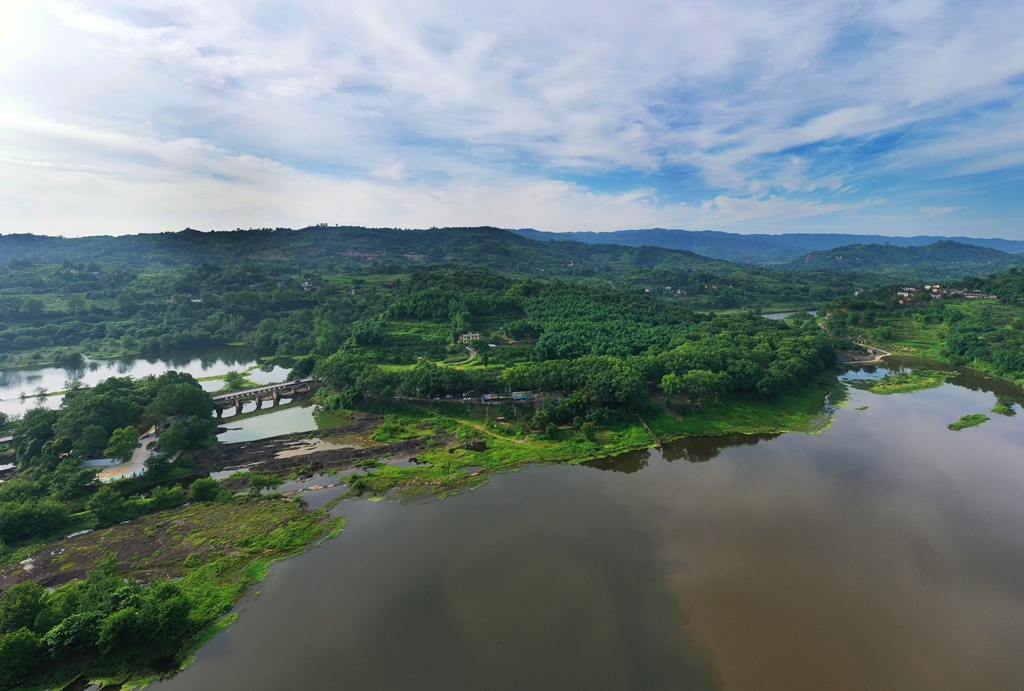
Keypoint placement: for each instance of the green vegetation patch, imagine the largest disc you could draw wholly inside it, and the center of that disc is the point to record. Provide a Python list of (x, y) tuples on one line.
[(797, 411), (972, 420), (904, 382), (183, 568), (1004, 406)]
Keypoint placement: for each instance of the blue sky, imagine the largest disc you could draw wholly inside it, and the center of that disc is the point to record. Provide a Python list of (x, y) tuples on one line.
[(897, 117)]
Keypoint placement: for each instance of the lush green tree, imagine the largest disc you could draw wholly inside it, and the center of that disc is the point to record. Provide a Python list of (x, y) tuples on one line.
[(107, 505), (167, 497), (206, 489), (74, 634), (92, 441), (123, 628), (185, 435), (36, 518), (671, 385), (21, 652), (20, 605), (122, 444), (184, 397), (704, 386), (234, 381)]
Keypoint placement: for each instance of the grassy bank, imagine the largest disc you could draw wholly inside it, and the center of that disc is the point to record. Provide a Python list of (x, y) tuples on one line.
[(212, 553), (479, 444)]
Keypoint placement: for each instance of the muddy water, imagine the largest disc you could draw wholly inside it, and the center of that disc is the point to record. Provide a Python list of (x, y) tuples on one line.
[(884, 553)]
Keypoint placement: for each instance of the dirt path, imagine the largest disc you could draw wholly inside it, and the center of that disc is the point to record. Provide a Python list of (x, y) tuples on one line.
[(875, 354), (472, 354), (137, 464), (481, 428)]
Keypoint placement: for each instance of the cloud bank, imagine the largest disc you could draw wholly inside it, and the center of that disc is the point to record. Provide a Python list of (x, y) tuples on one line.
[(894, 117)]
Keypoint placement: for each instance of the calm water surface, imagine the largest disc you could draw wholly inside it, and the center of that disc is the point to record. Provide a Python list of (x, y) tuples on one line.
[(884, 553), (300, 416), (208, 362), (271, 421)]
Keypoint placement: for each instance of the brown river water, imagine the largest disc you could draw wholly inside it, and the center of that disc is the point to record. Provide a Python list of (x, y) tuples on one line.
[(886, 552)]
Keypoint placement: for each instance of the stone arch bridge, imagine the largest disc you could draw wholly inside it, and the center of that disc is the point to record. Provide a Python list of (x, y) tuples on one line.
[(272, 392)]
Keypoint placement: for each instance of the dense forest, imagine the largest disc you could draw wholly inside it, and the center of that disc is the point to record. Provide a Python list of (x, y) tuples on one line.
[(63, 299)]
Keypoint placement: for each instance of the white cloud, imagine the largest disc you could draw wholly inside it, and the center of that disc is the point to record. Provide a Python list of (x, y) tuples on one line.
[(469, 103), (939, 210)]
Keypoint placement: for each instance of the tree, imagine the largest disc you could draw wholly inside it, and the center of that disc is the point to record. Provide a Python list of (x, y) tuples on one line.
[(122, 444), (180, 398), (233, 381), (20, 605), (185, 435), (123, 628), (157, 466), (671, 384), (704, 386), (106, 505), (92, 441), (166, 498), (20, 652), (206, 489), (76, 633)]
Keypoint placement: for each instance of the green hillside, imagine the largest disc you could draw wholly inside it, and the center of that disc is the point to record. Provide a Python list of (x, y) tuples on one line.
[(943, 260)]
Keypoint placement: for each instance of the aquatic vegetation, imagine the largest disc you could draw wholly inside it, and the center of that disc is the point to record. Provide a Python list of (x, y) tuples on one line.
[(972, 420)]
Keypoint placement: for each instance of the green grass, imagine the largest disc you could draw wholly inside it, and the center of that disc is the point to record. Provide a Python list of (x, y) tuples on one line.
[(797, 411), (972, 420), (479, 443), (904, 382), (229, 546)]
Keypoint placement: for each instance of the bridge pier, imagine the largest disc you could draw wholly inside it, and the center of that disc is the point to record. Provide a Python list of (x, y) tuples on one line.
[(274, 392)]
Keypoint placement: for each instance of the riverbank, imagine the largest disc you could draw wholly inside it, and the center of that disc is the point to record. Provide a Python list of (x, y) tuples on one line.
[(213, 551), (440, 448), (217, 550)]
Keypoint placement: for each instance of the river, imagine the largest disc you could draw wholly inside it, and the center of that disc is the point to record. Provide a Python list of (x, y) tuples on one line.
[(886, 552), (18, 388)]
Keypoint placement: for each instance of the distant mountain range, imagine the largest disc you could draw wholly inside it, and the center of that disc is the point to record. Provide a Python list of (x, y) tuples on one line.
[(756, 249), (327, 247), (567, 255), (943, 260)]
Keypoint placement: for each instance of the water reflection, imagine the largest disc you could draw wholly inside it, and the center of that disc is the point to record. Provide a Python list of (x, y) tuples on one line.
[(18, 386), (296, 416), (703, 449), (626, 463), (694, 450), (962, 377), (885, 552)]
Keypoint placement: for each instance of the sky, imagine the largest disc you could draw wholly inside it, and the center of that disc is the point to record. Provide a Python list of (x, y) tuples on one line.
[(896, 117)]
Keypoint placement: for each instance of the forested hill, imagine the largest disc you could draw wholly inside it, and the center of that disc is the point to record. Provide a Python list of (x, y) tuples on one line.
[(756, 248), (938, 261), (323, 247)]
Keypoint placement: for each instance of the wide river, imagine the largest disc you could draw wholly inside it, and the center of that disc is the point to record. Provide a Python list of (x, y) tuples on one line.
[(886, 552)]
